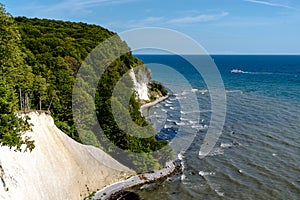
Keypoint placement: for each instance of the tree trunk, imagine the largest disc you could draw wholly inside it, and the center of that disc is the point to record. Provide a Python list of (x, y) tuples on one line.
[(50, 103), (40, 103), (21, 106)]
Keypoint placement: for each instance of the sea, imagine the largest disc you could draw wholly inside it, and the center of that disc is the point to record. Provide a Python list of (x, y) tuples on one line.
[(257, 156)]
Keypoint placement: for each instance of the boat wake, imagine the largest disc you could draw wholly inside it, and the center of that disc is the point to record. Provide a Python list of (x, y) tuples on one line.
[(238, 71)]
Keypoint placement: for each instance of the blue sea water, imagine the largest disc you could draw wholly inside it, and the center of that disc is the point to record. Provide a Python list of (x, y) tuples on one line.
[(258, 154)]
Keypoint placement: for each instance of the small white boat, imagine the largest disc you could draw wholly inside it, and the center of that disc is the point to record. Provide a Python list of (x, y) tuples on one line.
[(236, 71)]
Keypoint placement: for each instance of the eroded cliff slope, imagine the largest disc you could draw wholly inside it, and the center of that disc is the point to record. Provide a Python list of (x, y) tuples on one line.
[(58, 167)]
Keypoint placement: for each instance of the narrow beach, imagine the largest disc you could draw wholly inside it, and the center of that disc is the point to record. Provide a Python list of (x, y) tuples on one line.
[(139, 179), (153, 103)]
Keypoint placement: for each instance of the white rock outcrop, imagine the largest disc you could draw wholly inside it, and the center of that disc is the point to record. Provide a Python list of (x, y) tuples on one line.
[(140, 82), (58, 167)]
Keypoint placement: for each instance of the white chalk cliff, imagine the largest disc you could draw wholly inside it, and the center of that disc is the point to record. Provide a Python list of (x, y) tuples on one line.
[(58, 167), (140, 81)]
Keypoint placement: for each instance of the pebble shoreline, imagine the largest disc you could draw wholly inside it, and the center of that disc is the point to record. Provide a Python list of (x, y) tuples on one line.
[(147, 105), (107, 192)]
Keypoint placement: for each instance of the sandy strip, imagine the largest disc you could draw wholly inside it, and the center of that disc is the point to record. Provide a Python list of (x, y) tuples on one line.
[(106, 192), (153, 103)]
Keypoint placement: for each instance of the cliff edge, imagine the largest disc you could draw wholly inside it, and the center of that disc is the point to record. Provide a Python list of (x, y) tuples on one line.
[(58, 167)]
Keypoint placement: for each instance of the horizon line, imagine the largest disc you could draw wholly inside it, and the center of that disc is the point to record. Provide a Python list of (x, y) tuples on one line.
[(227, 54)]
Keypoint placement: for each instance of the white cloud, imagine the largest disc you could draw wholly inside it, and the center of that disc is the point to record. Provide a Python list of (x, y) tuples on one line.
[(149, 21), (163, 21), (198, 18), (268, 3), (79, 5), (91, 3)]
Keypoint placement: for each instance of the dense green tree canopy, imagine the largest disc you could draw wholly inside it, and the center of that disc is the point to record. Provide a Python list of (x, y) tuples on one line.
[(14, 74), (39, 61)]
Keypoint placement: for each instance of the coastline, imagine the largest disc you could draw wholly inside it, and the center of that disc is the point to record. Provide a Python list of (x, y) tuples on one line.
[(116, 188), (139, 179), (153, 103)]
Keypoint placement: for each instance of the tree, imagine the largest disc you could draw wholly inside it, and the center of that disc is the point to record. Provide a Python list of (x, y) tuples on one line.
[(12, 126), (13, 67), (40, 90), (56, 50)]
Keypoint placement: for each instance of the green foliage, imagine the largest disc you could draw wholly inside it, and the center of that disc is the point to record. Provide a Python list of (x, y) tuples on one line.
[(135, 113), (55, 50), (41, 72), (90, 196), (13, 74), (11, 130), (157, 88), (12, 127), (127, 133), (8, 100)]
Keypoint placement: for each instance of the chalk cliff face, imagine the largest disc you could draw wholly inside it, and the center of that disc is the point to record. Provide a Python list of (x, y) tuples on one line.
[(141, 77), (58, 167)]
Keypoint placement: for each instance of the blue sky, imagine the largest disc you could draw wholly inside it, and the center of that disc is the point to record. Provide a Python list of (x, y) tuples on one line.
[(220, 26)]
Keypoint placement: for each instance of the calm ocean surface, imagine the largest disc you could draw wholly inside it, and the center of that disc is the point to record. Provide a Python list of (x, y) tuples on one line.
[(258, 153)]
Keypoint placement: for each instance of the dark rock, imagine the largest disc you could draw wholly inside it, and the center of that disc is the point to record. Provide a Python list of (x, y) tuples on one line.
[(125, 195)]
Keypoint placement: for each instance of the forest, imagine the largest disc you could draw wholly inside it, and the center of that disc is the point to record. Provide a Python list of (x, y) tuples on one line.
[(39, 61)]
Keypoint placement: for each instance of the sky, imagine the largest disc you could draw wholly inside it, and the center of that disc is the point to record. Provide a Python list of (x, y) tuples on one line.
[(220, 26)]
